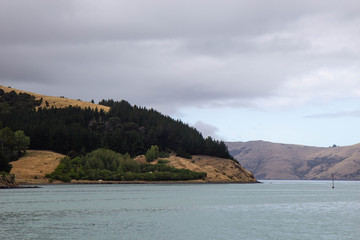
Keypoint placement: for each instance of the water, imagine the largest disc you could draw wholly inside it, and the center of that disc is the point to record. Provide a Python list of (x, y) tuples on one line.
[(273, 210)]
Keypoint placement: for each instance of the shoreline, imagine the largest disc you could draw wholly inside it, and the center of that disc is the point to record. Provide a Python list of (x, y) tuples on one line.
[(23, 184)]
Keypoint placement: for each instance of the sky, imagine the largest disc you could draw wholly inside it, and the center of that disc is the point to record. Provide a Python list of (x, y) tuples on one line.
[(237, 70)]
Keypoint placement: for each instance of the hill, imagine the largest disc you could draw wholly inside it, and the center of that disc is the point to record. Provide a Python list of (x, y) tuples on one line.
[(81, 129), (73, 127), (268, 160)]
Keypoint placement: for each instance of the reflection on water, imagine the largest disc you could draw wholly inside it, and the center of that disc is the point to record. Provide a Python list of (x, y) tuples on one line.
[(273, 210)]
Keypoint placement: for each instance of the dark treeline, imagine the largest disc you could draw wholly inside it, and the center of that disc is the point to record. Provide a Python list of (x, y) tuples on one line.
[(125, 129)]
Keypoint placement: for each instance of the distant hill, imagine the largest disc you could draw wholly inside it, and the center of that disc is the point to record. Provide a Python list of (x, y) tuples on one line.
[(268, 160)]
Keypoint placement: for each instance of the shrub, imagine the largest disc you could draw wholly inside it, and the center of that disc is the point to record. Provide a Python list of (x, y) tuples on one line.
[(163, 161)]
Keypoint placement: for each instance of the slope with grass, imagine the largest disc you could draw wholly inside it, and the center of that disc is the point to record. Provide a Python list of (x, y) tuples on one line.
[(57, 102), (32, 167), (217, 169)]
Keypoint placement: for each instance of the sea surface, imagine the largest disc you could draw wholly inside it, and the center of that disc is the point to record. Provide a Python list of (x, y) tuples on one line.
[(272, 210)]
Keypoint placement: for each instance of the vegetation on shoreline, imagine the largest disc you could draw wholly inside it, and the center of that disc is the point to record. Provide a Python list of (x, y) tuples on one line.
[(7, 180), (105, 164)]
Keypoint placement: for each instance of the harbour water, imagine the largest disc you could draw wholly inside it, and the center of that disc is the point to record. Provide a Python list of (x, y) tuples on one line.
[(272, 210)]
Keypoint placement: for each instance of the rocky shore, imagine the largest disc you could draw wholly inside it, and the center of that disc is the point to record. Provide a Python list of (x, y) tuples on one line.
[(7, 180)]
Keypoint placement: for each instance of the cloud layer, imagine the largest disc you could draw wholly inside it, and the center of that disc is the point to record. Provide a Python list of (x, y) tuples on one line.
[(174, 54)]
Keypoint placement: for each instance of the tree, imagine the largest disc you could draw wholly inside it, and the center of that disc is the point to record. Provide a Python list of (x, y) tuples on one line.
[(4, 163), (7, 138), (152, 153), (22, 142), (12, 146)]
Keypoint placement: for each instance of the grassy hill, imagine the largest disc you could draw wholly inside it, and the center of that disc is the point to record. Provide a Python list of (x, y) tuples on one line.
[(34, 165), (57, 102), (124, 128), (286, 161)]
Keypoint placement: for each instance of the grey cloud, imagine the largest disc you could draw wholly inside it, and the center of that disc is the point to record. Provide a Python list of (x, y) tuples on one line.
[(207, 130), (81, 21), (167, 54)]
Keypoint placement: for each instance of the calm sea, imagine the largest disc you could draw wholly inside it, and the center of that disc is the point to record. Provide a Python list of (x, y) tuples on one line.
[(272, 210)]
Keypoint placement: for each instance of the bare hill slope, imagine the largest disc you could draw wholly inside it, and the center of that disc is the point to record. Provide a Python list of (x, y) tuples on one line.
[(268, 160), (217, 169), (34, 165)]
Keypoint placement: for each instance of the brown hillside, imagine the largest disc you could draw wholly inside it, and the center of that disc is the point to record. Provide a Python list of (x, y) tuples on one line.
[(217, 169), (58, 102), (286, 161), (34, 165)]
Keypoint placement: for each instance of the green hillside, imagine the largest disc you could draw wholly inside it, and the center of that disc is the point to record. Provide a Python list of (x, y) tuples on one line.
[(125, 128)]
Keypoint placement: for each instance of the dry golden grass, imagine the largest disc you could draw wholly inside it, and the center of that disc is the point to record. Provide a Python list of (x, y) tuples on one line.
[(217, 169), (34, 165), (58, 102)]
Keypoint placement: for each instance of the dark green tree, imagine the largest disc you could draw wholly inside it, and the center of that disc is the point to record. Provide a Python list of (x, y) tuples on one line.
[(22, 142), (5, 166), (152, 153), (7, 138)]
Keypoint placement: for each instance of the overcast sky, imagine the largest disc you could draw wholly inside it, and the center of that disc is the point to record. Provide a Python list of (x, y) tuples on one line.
[(281, 71)]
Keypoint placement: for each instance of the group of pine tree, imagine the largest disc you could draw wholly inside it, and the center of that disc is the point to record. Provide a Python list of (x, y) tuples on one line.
[(76, 132)]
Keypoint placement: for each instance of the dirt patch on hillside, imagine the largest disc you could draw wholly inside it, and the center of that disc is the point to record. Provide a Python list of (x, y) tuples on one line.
[(34, 165)]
